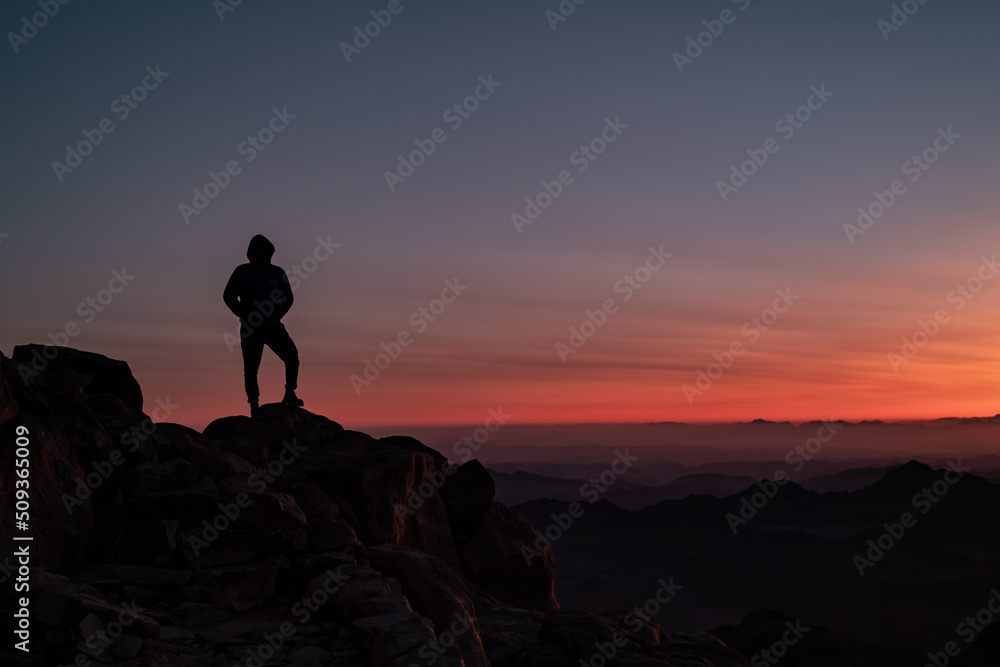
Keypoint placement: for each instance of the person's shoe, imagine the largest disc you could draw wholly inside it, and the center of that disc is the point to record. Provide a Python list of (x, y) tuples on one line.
[(291, 399), (254, 410)]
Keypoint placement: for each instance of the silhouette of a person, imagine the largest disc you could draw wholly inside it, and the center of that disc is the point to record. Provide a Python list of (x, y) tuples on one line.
[(259, 294)]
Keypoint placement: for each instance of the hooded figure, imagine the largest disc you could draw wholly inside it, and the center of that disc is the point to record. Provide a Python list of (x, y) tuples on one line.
[(259, 294)]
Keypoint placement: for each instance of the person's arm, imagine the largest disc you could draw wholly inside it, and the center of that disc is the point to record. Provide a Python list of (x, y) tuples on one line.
[(281, 309), (231, 295)]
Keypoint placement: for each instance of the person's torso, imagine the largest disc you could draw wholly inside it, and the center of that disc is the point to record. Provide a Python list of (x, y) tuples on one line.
[(261, 283)]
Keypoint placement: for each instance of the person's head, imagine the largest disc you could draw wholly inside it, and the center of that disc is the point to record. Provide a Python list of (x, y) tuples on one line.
[(260, 251)]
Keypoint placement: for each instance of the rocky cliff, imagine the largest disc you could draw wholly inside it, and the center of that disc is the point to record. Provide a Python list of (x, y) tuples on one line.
[(284, 540)]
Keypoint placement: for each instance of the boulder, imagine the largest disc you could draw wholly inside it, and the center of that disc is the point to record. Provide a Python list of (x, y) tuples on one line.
[(67, 370), (437, 590), (467, 493), (388, 636), (500, 556), (377, 480)]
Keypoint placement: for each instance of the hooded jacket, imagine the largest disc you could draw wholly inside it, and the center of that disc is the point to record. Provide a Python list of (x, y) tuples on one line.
[(258, 286)]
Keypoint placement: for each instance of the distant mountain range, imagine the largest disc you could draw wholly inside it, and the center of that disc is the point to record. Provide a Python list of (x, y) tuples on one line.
[(797, 551), (514, 488), (669, 450)]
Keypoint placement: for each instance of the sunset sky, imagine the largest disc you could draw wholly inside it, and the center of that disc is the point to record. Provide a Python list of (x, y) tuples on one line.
[(609, 67)]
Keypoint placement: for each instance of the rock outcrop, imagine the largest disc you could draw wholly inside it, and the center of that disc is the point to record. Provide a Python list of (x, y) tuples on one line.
[(283, 540)]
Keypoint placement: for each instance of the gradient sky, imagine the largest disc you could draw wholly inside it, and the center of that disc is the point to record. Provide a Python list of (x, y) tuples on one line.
[(323, 177)]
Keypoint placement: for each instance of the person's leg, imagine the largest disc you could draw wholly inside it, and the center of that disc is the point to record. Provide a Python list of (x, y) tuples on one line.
[(281, 343), (253, 348)]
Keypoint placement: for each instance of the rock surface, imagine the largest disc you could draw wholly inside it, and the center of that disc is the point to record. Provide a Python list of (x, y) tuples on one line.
[(283, 540)]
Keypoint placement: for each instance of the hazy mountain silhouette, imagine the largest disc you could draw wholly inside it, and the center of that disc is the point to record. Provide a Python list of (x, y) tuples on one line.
[(796, 554), (518, 487)]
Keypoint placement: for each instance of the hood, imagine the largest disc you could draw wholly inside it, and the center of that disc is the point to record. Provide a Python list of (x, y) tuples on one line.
[(260, 251)]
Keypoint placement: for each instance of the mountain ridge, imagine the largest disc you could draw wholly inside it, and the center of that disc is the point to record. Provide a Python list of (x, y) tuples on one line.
[(285, 538)]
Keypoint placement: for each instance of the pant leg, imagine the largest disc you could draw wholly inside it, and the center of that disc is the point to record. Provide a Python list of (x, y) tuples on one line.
[(253, 348), (282, 345)]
